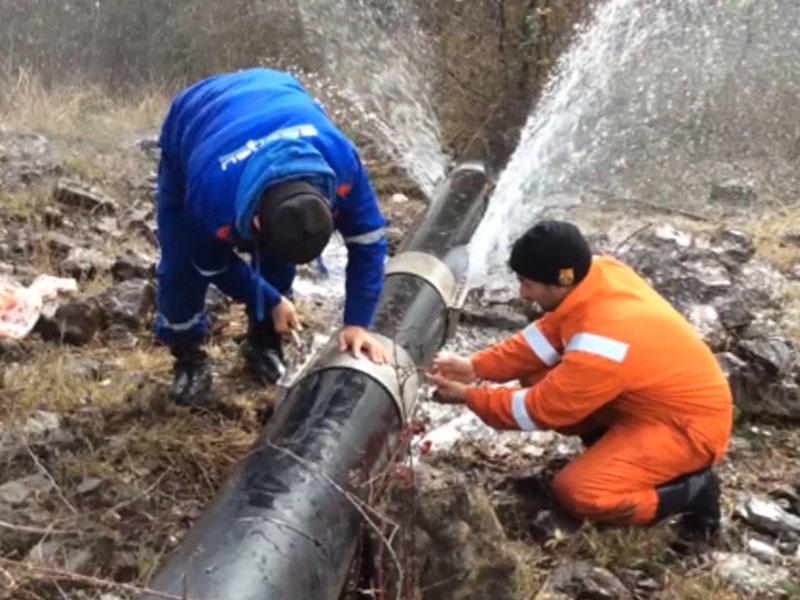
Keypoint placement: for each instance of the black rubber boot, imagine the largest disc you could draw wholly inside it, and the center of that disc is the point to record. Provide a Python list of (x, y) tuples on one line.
[(262, 349), (192, 378), (696, 495)]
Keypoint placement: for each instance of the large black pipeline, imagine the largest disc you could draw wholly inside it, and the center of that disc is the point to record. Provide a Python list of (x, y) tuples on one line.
[(286, 524)]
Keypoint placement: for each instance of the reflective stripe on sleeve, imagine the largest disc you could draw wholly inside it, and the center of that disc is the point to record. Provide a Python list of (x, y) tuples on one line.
[(598, 345), (540, 345), (520, 412), (367, 238)]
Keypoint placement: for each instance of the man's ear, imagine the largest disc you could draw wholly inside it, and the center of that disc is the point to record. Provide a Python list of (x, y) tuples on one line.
[(256, 222)]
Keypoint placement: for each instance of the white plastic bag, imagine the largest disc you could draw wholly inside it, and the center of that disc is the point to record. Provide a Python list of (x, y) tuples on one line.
[(20, 306)]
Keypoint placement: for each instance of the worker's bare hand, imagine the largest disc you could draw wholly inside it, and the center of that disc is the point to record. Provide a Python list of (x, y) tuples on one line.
[(455, 367), (448, 391), (284, 317), (357, 339)]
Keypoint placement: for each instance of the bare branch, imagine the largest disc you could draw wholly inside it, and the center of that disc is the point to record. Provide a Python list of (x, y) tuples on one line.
[(46, 473), (36, 530), (51, 573)]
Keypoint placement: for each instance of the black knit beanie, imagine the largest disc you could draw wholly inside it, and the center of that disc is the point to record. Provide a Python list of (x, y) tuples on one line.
[(551, 252), (295, 221)]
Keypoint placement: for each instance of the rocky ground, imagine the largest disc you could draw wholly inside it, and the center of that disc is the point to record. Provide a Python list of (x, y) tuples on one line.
[(100, 476)]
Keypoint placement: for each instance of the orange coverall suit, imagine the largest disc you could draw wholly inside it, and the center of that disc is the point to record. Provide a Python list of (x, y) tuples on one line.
[(614, 354)]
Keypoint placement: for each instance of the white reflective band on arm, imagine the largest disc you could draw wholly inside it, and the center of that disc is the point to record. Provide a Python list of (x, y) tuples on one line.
[(599, 345), (540, 345), (521, 416), (185, 326), (366, 238), (206, 273)]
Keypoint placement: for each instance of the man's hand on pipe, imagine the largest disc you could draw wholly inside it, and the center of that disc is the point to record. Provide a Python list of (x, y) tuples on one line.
[(357, 339)]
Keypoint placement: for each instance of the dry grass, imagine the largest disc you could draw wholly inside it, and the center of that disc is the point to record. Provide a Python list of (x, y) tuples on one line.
[(92, 130), (64, 378), (768, 235), (25, 202), (78, 111)]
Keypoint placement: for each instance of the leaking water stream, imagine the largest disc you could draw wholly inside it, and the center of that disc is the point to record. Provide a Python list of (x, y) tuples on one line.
[(656, 101)]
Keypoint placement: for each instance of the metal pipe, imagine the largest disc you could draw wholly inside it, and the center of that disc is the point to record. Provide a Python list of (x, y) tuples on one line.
[(286, 523)]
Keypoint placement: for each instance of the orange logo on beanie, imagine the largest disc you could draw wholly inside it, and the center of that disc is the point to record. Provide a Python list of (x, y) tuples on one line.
[(566, 276)]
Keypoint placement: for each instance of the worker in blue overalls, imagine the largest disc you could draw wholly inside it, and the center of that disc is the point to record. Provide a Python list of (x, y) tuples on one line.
[(251, 162)]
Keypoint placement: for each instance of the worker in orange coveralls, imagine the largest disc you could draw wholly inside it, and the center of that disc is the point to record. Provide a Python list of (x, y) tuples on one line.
[(613, 362)]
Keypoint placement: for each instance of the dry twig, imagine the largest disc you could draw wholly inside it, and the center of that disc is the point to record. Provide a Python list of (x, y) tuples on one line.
[(51, 573), (46, 473), (36, 530)]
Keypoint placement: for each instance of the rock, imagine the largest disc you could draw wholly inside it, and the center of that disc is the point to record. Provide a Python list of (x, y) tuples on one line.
[(88, 485), (90, 369), (501, 316), (734, 315), (582, 580), (394, 237), (791, 238), (52, 217), (45, 552), (61, 438), (767, 516), (11, 350), (124, 566), (706, 322), (763, 551), (737, 193), (78, 560), (16, 493), (748, 573), (79, 195), (133, 265), (106, 226), (732, 247), (758, 393), (776, 354), (25, 157), (760, 285), (140, 221), (466, 554), (794, 273), (120, 336), (75, 322), (127, 303), (85, 263), (42, 423), (671, 235), (398, 198), (59, 243), (217, 303), (150, 147), (682, 273)]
